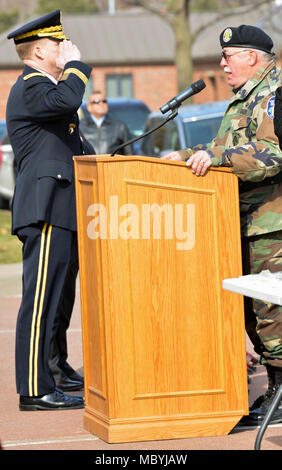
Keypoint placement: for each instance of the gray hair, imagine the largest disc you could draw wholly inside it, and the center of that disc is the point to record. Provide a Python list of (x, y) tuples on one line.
[(265, 56)]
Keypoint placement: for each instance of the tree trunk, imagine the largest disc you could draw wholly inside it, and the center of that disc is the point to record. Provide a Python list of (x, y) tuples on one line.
[(183, 42), (177, 13)]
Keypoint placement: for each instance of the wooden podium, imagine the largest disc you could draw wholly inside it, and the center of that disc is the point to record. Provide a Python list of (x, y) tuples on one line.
[(164, 343)]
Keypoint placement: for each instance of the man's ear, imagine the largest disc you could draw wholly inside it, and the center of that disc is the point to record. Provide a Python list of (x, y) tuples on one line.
[(253, 58), (39, 52)]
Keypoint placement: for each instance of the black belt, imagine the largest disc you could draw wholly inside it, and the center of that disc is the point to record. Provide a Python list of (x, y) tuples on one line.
[(249, 186)]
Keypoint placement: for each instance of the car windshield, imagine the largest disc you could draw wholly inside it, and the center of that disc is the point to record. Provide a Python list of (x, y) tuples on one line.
[(134, 118), (201, 130)]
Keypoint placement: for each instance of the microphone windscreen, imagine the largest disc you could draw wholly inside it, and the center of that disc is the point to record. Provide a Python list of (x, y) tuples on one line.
[(199, 85)]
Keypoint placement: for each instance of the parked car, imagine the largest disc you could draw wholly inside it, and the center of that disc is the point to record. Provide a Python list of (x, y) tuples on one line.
[(194, 124), (7, 176), (132, 112), (3, 129)]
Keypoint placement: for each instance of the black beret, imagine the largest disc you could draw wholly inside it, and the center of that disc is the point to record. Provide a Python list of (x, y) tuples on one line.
[(246, 36), (47, 26)]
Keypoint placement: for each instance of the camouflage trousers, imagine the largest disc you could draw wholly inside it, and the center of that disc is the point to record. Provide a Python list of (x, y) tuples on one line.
[(264, 320)]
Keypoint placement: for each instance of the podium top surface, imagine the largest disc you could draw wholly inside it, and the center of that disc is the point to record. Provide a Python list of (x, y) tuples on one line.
[(122, 158)]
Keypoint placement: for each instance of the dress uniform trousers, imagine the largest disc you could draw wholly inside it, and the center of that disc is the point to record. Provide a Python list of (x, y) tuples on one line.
[(58, 353), (47, 252)]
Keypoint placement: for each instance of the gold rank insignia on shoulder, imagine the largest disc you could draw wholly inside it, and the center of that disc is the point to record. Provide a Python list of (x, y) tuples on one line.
[(76, 72), (72, 128), (34, 74)]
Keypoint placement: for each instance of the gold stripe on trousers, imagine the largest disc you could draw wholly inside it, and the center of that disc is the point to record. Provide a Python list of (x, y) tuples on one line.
[(38, 308)]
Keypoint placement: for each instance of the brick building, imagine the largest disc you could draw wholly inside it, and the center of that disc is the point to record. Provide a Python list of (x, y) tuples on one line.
[(132, 54)]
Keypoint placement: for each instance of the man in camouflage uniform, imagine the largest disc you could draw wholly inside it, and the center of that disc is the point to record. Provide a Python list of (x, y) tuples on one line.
[(246, 141)]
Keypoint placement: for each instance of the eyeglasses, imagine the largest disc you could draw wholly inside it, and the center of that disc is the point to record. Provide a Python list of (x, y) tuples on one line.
[(225, 55), (98, 101)]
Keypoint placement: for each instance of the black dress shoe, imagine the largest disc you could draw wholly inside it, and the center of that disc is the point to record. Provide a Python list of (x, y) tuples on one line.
[(76, 376), (71, 382), (256, 417), (56, 400), (260, 407), (67, 385)]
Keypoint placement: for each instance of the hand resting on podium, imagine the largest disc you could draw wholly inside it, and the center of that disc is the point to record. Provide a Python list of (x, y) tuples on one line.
[(199, 162)]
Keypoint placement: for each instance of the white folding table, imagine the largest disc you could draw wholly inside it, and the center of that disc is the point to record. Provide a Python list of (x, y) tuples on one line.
[(264, 286)]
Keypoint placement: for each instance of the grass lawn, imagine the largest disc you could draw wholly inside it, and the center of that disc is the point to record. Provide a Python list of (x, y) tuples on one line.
[(10, 246)]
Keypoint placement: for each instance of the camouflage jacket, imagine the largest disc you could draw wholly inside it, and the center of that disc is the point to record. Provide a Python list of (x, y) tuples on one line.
[(246, 141)]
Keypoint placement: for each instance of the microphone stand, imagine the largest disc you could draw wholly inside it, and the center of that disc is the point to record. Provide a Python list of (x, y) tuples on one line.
[(171, 116)]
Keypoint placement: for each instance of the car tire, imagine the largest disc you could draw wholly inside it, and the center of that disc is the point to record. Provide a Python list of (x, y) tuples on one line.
[(4, 203)]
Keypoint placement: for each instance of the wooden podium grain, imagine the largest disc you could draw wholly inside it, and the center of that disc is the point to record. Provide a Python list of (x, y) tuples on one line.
[(163, 342)]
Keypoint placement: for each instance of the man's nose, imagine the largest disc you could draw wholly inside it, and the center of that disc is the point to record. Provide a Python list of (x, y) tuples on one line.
[(222, 62)]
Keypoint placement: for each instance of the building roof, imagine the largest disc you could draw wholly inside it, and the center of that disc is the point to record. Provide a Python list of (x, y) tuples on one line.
[(136, 37)]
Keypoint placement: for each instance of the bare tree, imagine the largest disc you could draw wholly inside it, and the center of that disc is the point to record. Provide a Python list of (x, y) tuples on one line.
[(177, 14)]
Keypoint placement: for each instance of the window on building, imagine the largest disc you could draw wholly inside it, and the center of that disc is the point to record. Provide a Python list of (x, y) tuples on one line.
[(119, 85)]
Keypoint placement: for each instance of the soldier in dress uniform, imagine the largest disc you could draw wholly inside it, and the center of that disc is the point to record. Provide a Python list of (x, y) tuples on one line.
[(43, 128), (247, 143)]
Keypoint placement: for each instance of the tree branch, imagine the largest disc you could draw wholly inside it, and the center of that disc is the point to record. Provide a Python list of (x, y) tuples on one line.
[(154, 9), (158, 8), (228, 13)]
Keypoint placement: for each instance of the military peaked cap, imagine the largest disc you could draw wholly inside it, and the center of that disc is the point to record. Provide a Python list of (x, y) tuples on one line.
[(246, 36), (47, 26)]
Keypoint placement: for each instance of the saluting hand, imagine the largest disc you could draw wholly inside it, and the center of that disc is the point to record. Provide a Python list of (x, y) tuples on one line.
[(67, 52)]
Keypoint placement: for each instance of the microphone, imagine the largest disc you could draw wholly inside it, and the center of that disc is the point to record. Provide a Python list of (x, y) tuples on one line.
[(175, 102)]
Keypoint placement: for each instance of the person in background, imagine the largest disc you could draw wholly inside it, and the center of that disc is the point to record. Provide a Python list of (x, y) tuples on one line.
[(101, 130), (247, 143), (43, 128)]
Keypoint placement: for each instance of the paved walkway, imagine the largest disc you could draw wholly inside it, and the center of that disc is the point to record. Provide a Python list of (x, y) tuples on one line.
[(64, 430)]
